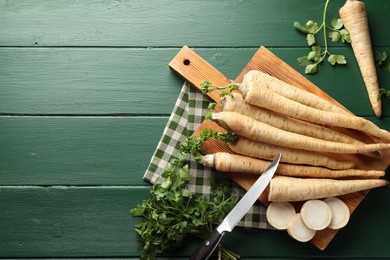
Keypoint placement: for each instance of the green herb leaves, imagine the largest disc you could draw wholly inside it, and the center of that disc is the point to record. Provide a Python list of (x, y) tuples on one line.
[(384, 93), (336, 59), (310, 29), (382, 60), (338, 32), (206, 87), (172, 212), (193, 144), (317, 54)]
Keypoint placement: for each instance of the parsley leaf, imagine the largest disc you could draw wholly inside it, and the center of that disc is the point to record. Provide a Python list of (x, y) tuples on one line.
[(311, 68), (337, 23), (172, 212), (384, 92), (382, 60), (315, 56), (336, 59), (311, 39)]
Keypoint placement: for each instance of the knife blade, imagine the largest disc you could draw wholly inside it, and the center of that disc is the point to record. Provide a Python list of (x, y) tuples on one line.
[(237, 213)]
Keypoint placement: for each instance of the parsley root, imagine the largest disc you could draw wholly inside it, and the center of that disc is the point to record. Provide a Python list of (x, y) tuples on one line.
[(269, 99), (340, 212), (236, 103), (316, 214), (298, 230), (227, 162), (283, 188), (354, 16), (279, 214), (252, 129), (260, 150), (289, 91)]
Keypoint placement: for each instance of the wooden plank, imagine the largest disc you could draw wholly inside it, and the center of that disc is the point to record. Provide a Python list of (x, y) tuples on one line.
[(77, 150), (93, 81), (169, 23), (103, 81), (72, 222), (39, 222)]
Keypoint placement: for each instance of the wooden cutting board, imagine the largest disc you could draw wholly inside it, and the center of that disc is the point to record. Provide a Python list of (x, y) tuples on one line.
[(194, 69)]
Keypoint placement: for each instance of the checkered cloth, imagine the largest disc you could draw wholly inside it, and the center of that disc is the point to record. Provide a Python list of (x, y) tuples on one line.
[(187, 115)]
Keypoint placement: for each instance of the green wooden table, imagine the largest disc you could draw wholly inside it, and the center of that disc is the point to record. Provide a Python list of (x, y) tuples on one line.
[(86, 92)]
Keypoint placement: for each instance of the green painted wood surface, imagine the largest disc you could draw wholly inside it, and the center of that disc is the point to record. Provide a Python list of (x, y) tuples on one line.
[(77, 150), (85, 92), (94, 222), (117, 81), (80, 150), (167, 23)]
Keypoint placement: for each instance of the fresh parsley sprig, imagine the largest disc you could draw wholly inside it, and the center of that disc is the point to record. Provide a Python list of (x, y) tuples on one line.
[(172, 212), (318, 54), (382, 61), (384, 93), (193, 144), (227, 90)]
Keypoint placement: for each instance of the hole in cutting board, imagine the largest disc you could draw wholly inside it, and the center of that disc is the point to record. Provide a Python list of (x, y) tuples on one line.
[(186, 62)]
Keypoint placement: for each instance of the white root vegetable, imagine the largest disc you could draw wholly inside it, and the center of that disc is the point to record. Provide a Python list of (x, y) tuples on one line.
[(284, 188), (260, 150), (227, 162), (269, 99), (236, 103), (252, 129), (289, 91), (279, 214), (316, 214), (340, 213), (354, 17), (298, 230)]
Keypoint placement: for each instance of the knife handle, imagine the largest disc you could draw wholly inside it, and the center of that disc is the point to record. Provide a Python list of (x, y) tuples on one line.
[(207, 247)]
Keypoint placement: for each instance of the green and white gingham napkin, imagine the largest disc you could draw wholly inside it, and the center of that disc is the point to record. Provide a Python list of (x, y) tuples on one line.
[(187, 115)]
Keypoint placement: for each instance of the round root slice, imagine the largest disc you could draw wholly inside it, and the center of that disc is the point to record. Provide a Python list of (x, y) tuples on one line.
[(298, 230), (340, 212), (316, 214), (279, 214)]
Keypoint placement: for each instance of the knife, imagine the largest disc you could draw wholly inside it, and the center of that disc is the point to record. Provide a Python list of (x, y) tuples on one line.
[(237, 213)]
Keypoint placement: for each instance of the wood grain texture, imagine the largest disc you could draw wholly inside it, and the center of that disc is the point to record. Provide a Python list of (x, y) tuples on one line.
[(77, 150), (168, 23), (84, 222), (85, 92), (101, 81), (72, 222)]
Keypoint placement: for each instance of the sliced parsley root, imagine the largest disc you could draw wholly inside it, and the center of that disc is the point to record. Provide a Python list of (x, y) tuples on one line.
[(172, 212), (316, 214), (317, 54), (298, 230), (340, 212), (279, 214)]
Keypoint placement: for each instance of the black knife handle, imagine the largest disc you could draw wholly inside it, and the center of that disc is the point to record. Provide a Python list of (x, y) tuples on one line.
[(207, 247)]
